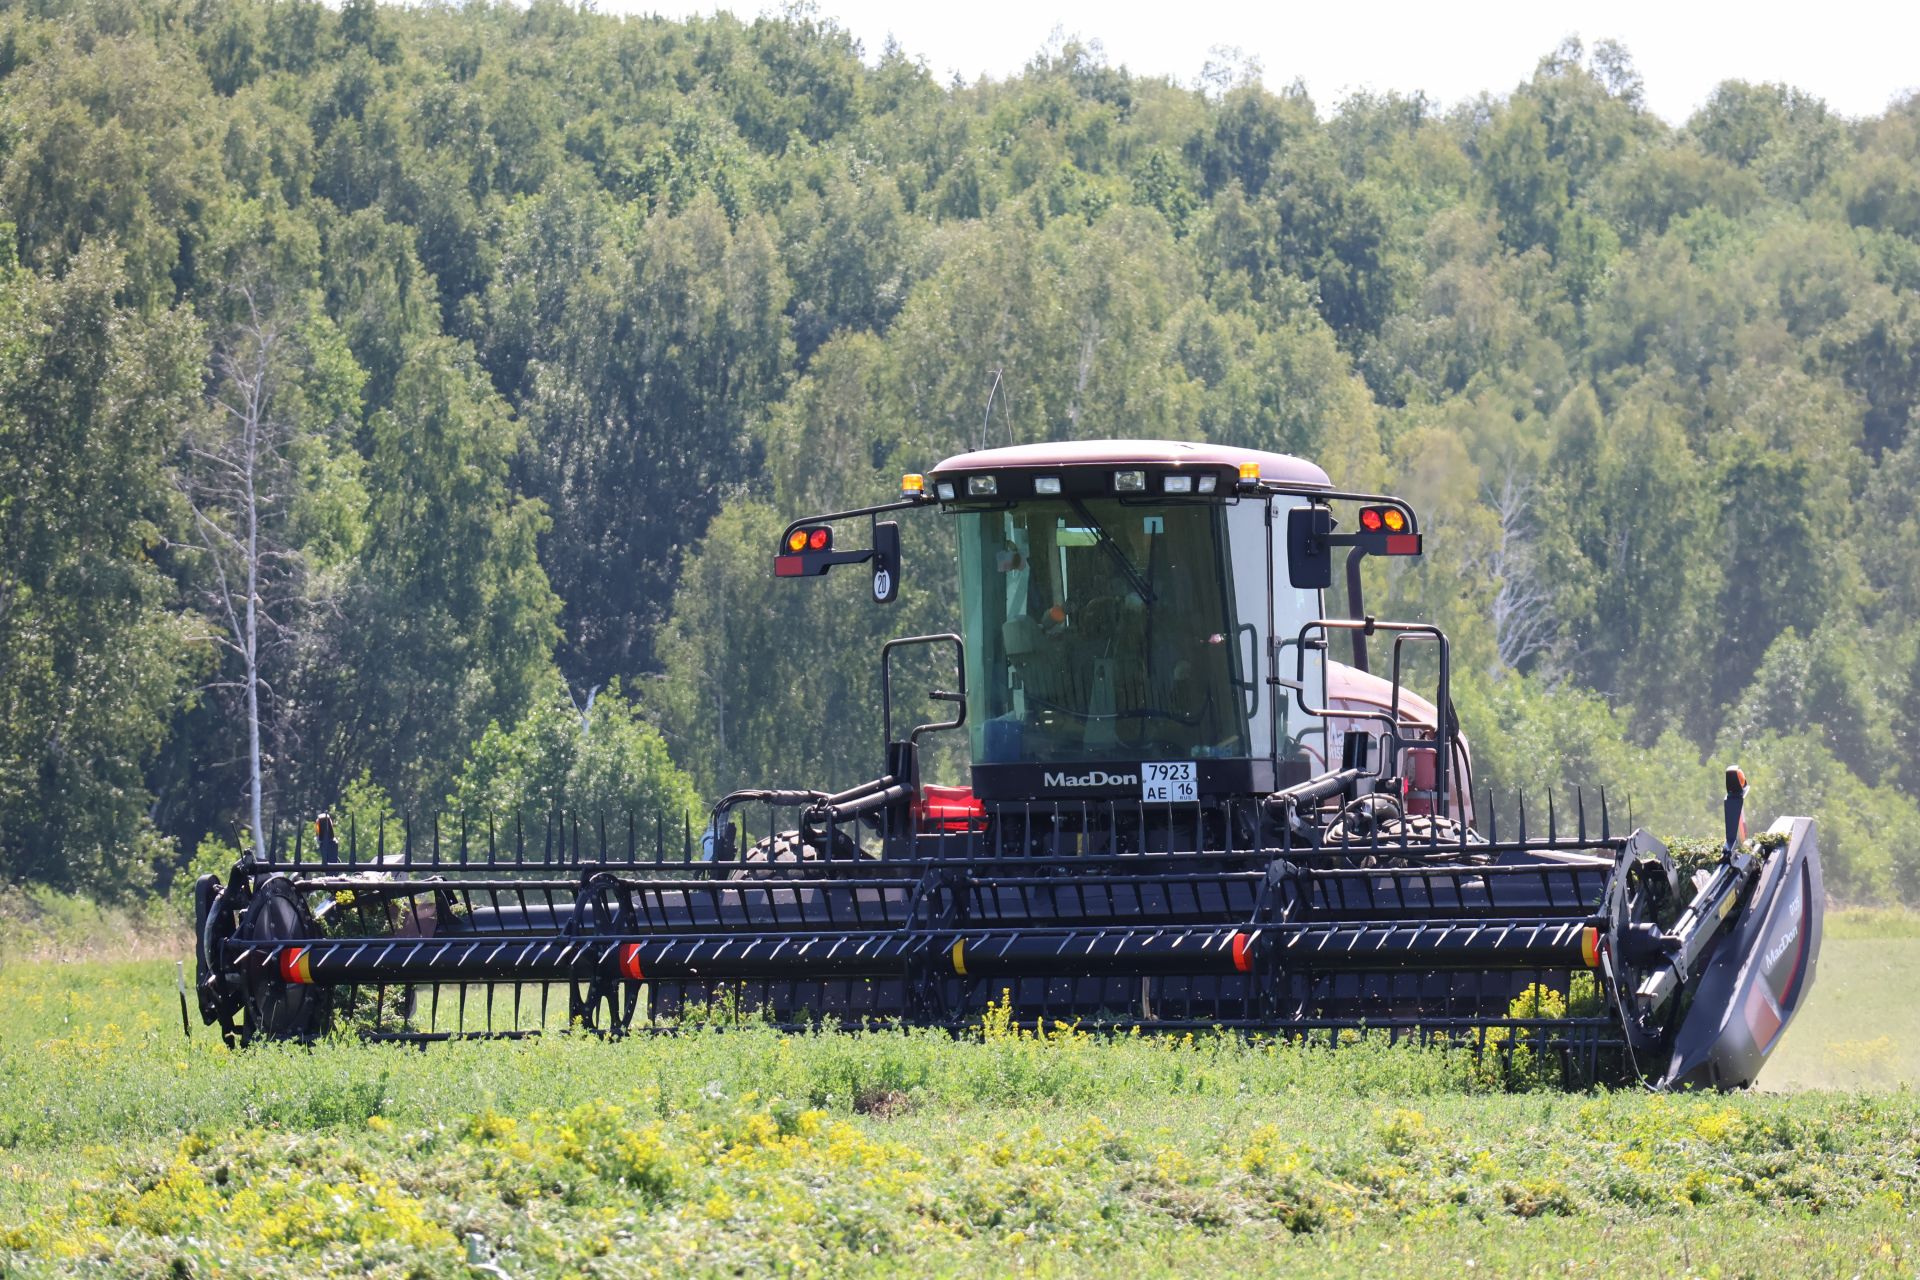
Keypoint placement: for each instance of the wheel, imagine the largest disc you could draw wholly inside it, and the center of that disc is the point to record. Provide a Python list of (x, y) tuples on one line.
[(790, 848), (275, 1008)]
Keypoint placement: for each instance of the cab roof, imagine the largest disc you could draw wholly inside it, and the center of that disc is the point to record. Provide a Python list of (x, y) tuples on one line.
[(1280, 468)]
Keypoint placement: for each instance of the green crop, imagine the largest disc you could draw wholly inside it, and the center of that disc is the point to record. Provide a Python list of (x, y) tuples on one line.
[(128, 1150)]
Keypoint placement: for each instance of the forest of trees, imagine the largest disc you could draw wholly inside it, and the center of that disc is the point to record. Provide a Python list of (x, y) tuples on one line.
[(433, 382)]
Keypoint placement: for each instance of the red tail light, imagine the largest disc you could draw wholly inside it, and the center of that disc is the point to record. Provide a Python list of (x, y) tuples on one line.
[(948, 811)]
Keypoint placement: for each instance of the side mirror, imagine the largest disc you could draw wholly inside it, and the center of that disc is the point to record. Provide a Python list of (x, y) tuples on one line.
[(1309, 553), (886, 561)]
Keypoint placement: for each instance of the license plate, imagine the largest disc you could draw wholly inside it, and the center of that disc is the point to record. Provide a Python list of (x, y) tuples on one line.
[(1170, 782)]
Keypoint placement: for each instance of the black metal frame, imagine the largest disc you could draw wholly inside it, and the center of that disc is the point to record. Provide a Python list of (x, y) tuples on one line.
[(958, 697), (1106, 915), (1445, 733)]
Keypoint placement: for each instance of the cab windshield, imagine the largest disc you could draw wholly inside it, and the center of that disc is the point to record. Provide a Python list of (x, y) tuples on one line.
[(1101, 629)]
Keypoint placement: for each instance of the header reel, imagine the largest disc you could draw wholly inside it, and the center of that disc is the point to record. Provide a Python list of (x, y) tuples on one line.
[(1575, 947)]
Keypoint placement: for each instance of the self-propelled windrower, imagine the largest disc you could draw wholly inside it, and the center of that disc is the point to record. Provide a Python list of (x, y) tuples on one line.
[(1195, 801)]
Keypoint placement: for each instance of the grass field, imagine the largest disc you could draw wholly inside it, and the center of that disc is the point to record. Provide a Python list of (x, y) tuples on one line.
[(126, 1150), (1861, 1027)]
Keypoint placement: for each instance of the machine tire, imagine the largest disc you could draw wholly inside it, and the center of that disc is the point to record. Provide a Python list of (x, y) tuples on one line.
[(219, 996), (790, 848)]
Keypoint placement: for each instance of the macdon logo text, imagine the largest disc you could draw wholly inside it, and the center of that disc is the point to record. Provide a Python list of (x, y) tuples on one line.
[(1787, 939), (1092, 778)]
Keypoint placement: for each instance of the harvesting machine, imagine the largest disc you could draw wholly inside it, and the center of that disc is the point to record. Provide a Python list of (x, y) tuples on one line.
[(1196, 801)]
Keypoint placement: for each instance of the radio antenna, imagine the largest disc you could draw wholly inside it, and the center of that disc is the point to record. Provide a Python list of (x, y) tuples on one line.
[(986, 418)]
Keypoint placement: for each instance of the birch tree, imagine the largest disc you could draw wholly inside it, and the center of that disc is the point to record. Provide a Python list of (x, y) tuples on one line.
[(237, 484), (1523, 618)]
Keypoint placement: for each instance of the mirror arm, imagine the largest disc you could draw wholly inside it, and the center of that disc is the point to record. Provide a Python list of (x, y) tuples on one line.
[(898, 504), (1355, 610)]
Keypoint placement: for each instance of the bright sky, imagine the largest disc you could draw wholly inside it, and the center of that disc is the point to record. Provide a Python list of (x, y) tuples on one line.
[(1857, 55)]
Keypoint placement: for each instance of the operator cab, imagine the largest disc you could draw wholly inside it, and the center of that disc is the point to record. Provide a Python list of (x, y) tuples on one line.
[(1143, 621), (1115, 603)]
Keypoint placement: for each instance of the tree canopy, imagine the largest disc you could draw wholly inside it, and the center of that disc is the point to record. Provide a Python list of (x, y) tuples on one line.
[(576, 309)]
